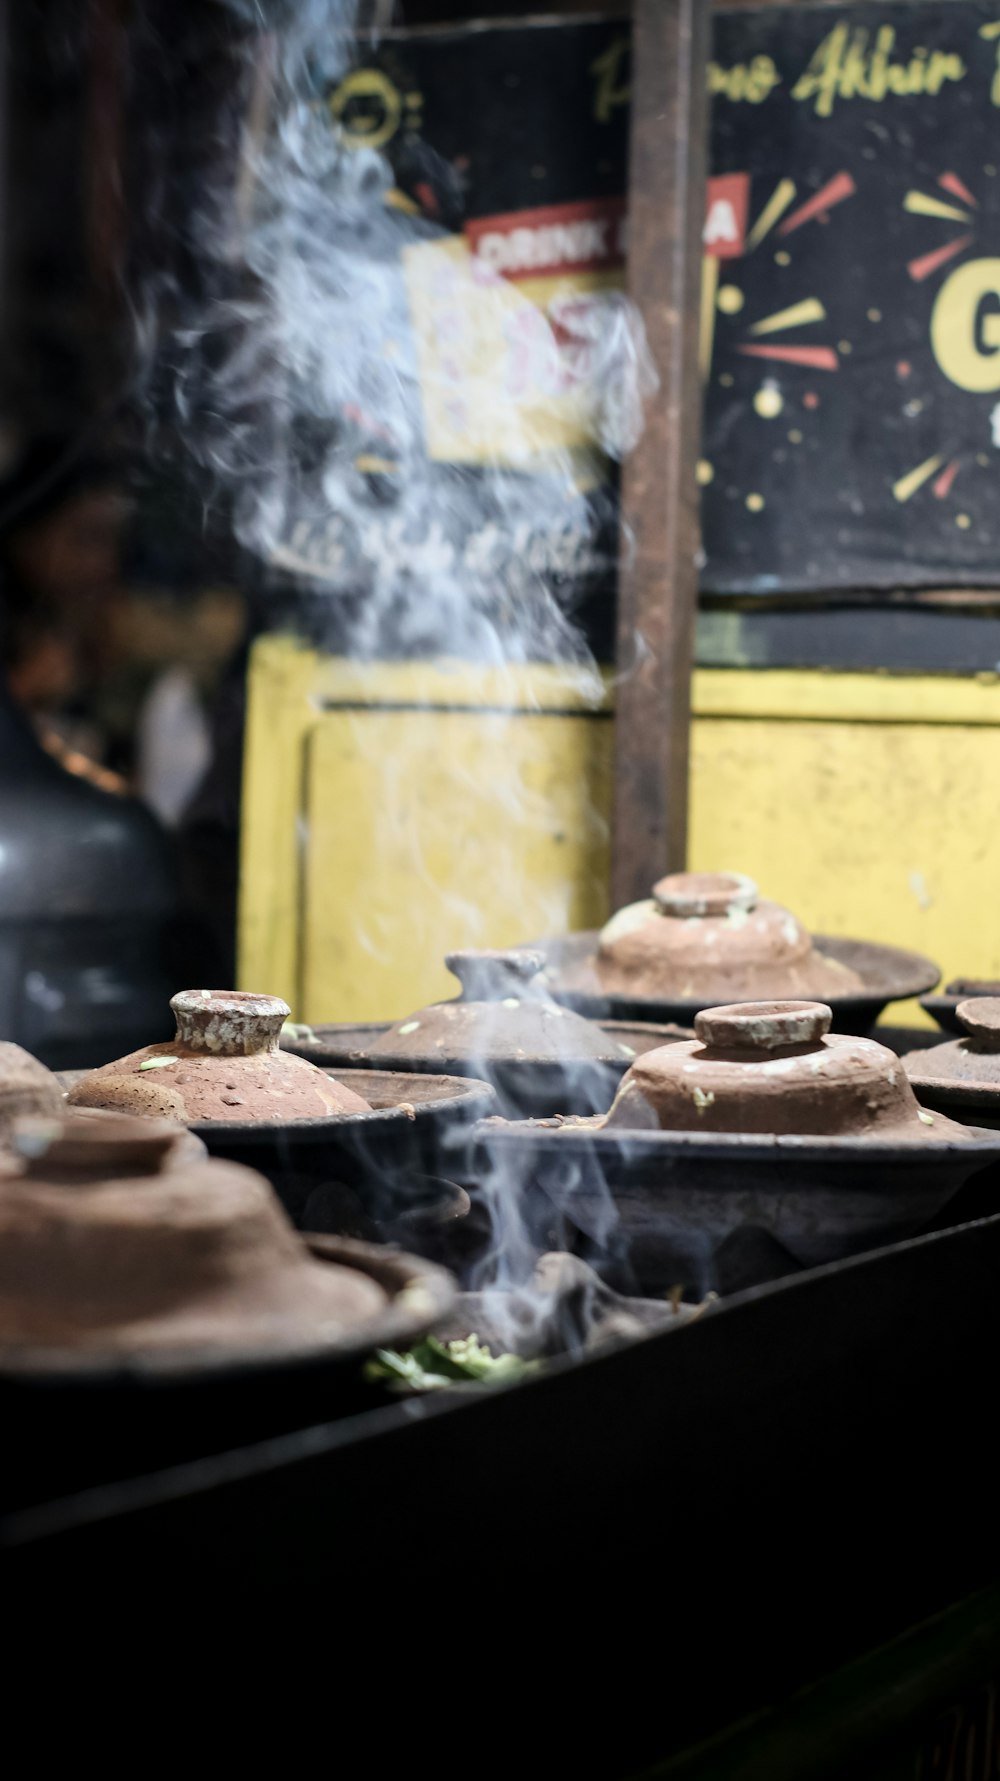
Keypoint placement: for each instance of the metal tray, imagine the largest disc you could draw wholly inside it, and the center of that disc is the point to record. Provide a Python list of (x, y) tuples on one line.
[(608, 1565)]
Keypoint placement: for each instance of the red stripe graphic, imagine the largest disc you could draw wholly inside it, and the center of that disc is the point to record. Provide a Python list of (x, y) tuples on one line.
[(841, 186), (820, 358), (928, 263), (952, 184), (942, 486)]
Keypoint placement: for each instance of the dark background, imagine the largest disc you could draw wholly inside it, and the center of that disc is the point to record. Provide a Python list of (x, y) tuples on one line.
[(94, 193)]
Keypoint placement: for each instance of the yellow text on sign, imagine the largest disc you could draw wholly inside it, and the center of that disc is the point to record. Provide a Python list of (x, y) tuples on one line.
[(965, 326)]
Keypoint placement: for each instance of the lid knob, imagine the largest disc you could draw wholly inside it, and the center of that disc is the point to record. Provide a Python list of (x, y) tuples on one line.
[(762, 1026), (981, 1019), (690, 894), (80, 1147), (228, 1022), (490, 976)]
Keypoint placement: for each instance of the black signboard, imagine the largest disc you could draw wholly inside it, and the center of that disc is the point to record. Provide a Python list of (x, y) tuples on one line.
[(853, 406), (851, 309)]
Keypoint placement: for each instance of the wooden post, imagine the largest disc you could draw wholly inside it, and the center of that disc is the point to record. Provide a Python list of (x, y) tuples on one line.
[(658, 590)]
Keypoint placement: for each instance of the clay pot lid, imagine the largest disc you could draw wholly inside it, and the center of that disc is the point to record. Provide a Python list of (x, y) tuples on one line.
[(973, 1061), (711, 934), (980, 1016), (224, 1066), (773, 1067), (691, 896), (755, 1027), (26, 1087), (228, 1022), (106, 1249), (942, 1005), (504, 1015), (85, 1145)]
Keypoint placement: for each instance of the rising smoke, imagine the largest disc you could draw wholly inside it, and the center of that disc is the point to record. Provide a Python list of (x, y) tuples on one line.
[(395, 426), (389, 417)]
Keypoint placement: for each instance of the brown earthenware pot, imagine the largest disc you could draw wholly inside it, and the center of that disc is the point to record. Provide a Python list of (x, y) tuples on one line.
[(763, 1146), (772, 1067), (154, 1309), (504, 1014), (711, 934), (943, 1006), (109, 1247), (962, 1076), (26, 1088), (539, 1056), (224, 1065)]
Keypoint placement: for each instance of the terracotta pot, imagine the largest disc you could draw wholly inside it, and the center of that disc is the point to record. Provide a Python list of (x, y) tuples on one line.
[(763, 1146), (943, 1007), (772, 1067), (539, 1057), (504, 1014), (962, 1076), (386, 1173), (224, 1064), (26, 1087), (153, 1309), (885, 974), (106, 1247), (711, 935)]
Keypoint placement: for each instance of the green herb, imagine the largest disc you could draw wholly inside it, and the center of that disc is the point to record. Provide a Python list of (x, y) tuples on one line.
[(434, 1366), (158, 1063)]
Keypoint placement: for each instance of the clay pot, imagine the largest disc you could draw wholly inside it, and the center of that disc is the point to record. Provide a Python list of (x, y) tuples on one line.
[(106, 1247), (539, 1056), (962, 1076), (943, 1007), (503, 1014), (710, 935), (26, 1087), (765, 1145), (772, 1067), (155, 1308), (224, 1065)]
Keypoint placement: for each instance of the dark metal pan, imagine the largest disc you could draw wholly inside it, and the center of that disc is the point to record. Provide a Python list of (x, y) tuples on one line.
[(972, 1103), (526, 1087), (722, 1212), (889, 975)]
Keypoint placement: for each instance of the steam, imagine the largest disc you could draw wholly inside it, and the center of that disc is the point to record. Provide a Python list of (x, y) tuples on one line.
[(399, 427), (386, 415)]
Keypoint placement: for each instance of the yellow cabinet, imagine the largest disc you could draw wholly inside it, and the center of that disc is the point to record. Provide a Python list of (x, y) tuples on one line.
[(396, 810)]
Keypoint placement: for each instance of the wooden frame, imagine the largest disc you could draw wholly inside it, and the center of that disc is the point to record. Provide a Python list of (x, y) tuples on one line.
[(658, 593)]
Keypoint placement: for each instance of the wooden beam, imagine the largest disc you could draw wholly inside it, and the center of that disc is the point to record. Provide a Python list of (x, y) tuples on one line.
[(658, 588)]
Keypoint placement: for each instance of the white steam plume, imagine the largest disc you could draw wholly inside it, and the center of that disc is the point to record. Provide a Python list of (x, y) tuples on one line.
[(311, 395)]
